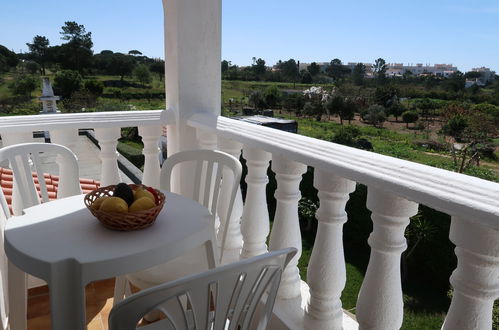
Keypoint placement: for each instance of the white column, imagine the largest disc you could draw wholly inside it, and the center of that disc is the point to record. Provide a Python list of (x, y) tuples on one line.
[(476, 278), (108, 140), (255, 219), (286, 228), (234, 240), (326, 274), (380, 304), (150, 137), (193, 76), (193, 56)]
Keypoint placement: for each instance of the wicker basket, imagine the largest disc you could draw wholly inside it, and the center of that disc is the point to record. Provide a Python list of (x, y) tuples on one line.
[(124, 221)]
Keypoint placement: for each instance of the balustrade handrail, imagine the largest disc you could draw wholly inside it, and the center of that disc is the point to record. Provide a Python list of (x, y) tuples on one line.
[(446, 191), (84, 120)]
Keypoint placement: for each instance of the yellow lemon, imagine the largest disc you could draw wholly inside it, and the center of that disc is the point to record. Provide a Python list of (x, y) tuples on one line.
[(143, 193), (98, 202), (141, 204), (114, 204)]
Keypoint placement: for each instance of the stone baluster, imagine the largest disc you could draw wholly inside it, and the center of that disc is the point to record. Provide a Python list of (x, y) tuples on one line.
[(108, 140), (476, 278), (255, 219), (326, 274), (286, 228), (150, 137), (380, 304), (234, 240), (67, 137)]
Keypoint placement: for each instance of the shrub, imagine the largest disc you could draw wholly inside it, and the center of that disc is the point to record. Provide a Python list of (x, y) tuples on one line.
[(80, 101), (94, 86), (24, 85), (66, 82), (347, 136)]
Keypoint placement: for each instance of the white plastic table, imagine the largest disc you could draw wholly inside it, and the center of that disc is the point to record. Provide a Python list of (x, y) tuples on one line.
[(62, 243)]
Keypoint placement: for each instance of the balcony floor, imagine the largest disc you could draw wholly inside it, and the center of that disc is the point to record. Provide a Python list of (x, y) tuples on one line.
[(99, 298)]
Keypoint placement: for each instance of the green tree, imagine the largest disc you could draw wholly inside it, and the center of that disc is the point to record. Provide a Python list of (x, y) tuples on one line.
[(314, 69), (225, 66), (374, 115), (134, 52), (121, 65), (455, 82), (306, 77), (66, 82), (32, 67), (359, 71), (289, 70), (410, 117), (142, 73), (337, 70), (259, 67), (158, 67), (348, 111), (38, 50), (334, 105), (426, 106), (396, 110), (379, 68), (257, 99), (272, 96), (386, 95), (8, 59), (77, 52), (24, 85)]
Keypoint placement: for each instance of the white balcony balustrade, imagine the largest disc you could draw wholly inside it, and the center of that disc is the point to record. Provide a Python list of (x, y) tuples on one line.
[(395, 189)]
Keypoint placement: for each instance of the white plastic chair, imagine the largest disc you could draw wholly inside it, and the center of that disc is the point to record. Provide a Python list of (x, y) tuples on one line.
[(23, 158), (208, 169), (227, 297)]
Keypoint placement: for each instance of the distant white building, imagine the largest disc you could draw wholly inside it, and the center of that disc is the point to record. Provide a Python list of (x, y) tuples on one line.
[(439, 70), (487, 74)]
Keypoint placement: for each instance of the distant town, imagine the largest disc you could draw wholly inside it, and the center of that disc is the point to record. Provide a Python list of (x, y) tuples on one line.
[(418, 69)]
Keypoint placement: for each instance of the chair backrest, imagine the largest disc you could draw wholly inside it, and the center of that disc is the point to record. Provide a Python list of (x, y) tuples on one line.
[(25, 158), (207, 168), (226, 297), (4, 293)]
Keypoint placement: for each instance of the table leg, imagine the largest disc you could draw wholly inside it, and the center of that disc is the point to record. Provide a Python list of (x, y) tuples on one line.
[(17, 298), (67, 301)]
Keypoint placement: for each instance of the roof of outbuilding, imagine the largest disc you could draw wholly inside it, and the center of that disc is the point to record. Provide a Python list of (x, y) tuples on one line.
[(51, 181)]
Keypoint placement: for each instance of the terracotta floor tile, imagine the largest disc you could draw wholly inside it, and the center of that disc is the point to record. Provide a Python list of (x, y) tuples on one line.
[(39, 323), (99, 301), (38, 306), (104, 289)]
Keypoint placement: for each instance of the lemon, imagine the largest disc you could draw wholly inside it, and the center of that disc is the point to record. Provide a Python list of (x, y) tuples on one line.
[(141, 204), (114, 204), (143, 193), (98, 202)]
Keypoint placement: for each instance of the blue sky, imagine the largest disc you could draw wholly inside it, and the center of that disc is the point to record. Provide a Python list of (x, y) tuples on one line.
[(462, 32)]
